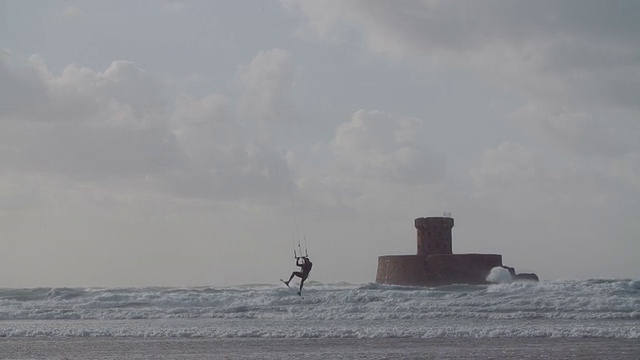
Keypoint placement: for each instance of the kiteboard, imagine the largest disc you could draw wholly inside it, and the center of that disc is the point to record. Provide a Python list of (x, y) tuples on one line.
[(297, 292)]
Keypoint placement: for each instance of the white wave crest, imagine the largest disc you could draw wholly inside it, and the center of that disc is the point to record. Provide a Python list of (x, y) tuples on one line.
[(374, 310), (499, 275)]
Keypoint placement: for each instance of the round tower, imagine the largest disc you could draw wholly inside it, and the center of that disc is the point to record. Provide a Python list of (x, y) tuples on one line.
[(434, 236)]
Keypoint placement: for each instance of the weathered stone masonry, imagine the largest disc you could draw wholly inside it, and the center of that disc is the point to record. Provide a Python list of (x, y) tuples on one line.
[(435, 264)]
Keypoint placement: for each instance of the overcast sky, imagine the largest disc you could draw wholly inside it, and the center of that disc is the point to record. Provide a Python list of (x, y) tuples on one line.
[(186, 143)]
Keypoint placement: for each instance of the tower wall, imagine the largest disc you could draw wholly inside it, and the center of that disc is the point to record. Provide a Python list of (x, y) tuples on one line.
[(436, 270), (434, 236), (460, 268), (401, 270)]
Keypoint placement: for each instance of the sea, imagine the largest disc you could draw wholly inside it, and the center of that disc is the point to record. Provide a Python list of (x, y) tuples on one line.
[(554, 319)]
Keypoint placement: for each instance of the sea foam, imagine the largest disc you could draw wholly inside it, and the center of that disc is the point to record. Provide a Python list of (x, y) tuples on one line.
[(592, 308)]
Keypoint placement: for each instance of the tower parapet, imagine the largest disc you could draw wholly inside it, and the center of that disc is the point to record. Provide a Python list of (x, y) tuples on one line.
[(434, 236)]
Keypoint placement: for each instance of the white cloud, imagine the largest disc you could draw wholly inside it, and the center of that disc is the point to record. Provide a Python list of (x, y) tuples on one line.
[(509, 166), (99, 161), (84, 123), (93, 125), (111, 163), (22, 85), (380, 146), (531, 207), (562, 59), (268, 80), (203, 123), (122, 95), (130, 86), (513, 176), (607, 132)]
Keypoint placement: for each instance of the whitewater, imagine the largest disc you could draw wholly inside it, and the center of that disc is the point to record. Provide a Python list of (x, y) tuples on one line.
[(548, 309)]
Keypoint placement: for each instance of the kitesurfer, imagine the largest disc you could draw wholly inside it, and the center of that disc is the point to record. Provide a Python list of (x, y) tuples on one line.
[(305, 268)]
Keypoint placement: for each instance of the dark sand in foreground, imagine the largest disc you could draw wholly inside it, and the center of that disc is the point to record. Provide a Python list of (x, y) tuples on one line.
[(259, 348)]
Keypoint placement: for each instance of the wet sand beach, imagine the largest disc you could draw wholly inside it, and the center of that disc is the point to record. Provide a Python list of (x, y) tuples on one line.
[(258, 348)]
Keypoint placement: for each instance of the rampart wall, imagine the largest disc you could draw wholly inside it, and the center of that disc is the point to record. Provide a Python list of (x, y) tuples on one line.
[(401, 270)]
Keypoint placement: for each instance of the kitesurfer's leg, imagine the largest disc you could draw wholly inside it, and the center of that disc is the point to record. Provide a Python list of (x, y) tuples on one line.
[(295, 273), (301, 283)]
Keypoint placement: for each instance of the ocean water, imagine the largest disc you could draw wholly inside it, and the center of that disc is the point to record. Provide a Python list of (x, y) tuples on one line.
[(576, 319)]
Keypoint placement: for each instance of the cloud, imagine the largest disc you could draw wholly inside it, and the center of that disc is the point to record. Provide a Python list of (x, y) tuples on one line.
[(606, 132), (115, 163), (203, 122), (102, 164), (562, 60), (84, 123), (91, 125), (132, 87), (123, 94), (512, 176), (88, 153), (381, 146), (538, 203), (226, 161), (22, 85), (509, 166), (268, 80)]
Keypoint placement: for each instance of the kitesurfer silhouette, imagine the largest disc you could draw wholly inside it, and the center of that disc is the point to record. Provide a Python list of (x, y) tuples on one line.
[(305, 269)]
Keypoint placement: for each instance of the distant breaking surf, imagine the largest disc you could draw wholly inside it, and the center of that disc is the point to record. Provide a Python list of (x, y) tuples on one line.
[(591, 308)]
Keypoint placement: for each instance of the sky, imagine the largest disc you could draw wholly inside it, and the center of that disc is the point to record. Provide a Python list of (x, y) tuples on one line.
[(195, 143)]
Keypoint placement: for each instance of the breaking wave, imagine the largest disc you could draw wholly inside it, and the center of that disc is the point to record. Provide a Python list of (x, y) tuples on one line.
[(592, 308)]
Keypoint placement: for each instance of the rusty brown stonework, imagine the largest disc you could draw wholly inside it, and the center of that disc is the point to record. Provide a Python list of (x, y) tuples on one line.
[(434, 263)]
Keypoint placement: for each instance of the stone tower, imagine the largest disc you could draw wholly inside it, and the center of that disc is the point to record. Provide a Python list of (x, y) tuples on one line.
[(434, 236), (435, 263)]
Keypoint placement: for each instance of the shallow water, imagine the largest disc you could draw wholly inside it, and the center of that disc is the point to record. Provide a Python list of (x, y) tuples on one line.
[(554, 319)]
